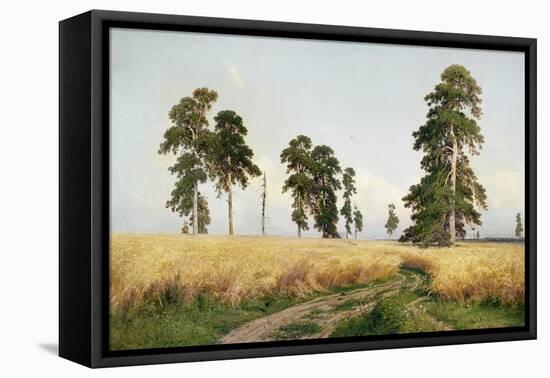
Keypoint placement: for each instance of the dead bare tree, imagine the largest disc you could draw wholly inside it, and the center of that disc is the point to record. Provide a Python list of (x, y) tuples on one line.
[(264, 195)]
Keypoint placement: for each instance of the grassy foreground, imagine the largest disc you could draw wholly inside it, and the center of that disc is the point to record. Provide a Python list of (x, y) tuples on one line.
[(174, 290), (404, 313)]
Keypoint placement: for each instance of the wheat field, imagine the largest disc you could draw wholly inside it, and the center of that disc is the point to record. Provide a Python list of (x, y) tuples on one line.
[(236, 269)]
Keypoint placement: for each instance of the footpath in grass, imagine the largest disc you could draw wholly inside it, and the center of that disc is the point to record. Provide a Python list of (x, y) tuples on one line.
[(170, 323), (412, 312), (201, 322)]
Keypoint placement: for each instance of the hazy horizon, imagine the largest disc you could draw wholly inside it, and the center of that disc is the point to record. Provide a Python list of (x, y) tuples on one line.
[(362, 100)]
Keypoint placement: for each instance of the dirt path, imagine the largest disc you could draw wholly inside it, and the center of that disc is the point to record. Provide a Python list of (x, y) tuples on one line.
[(326, 312)]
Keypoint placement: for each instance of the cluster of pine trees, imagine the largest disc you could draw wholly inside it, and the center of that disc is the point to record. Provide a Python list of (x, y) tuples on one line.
[(445, 201), (314, 177), (220, 154), (223, 156)]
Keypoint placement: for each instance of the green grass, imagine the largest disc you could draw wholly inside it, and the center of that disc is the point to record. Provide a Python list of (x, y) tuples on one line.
[(385, 318), (391, 315), (487, 314), (201, 322), (296, 330), (168, 322)]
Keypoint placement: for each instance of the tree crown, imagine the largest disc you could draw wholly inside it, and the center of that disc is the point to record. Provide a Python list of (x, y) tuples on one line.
[(189, 122), (230, 158), (357, 219)]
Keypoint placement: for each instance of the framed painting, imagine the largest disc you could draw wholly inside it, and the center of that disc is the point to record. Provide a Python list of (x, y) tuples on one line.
[(234, 188)]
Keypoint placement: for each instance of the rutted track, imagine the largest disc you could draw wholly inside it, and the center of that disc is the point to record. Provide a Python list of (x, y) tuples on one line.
[(320, 311)]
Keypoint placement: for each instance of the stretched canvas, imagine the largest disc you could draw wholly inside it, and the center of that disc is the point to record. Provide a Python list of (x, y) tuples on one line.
[(341, 189)]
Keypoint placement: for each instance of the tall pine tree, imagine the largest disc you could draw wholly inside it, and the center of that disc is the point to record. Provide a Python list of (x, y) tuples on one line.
[(230, 158), (299, 163), (448, 196), (189, 136), (348, 181), (326, 169)]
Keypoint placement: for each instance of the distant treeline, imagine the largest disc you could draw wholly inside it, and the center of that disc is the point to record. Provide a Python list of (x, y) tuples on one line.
[(497, 240)]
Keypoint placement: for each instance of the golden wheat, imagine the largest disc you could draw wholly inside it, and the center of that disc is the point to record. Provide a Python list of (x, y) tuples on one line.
[(233, 269)]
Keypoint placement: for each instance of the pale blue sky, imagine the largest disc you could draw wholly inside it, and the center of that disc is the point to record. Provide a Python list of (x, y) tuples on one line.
[(363, 100)]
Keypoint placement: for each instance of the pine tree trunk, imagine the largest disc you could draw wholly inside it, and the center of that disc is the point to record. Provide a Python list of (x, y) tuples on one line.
[(230, 204), (323, 226), (195, 191), (195, 208), (452, 220), (299, 210)]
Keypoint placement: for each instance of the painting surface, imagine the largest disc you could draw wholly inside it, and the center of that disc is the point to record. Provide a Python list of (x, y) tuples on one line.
[(269, 189)]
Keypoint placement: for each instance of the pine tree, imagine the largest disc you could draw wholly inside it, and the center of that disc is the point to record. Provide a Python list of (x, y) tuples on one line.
[(189, 136), (519, 226), (393, 220), (325, 170), (299, 163), (357, 221), (348, 181), (230, 158), (446, 198)]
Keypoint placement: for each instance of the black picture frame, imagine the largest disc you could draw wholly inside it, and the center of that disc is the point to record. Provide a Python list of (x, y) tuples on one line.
[(84, 186)]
